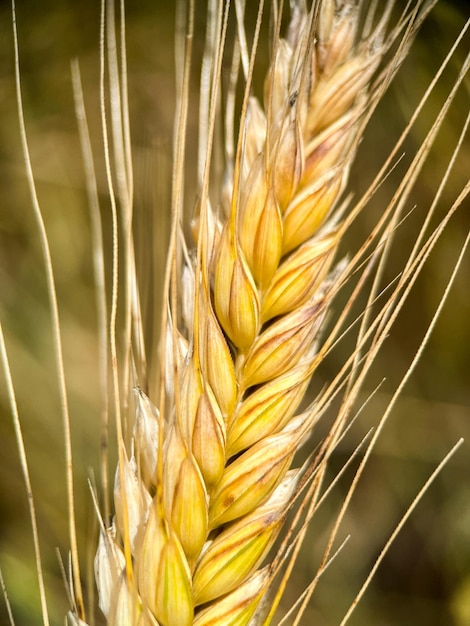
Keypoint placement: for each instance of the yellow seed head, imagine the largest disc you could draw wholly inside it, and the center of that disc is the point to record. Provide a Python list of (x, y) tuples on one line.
[(208, 443), (109, 565), (337, 31), (235, 295), (145, 436), (190, 392), (309, 209), (184, 485), (330, 146), (126, 608), (189, 509), (288, 161), (163, 574), (260, 226), (236, 608), (234, 554), (261, 467), (255, 135), (267, 410), (131, 500), (279, 348), (332, 98), (241, 347), (277, 83), (218, 363), (299, 277)]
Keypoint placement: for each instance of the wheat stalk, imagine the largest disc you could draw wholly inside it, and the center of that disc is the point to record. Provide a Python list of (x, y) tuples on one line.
[(205, 477)]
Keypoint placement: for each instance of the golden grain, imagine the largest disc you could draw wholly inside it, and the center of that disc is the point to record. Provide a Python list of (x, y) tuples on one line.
[(204, 489), (232, 431)]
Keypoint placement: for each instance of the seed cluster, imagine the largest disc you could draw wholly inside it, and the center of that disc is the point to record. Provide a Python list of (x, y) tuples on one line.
[(200, 510)]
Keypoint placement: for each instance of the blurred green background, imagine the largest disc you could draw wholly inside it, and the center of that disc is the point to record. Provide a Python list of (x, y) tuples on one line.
[(425, 579)]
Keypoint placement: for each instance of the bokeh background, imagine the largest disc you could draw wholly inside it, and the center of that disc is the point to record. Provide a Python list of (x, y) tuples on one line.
[(425, 579)]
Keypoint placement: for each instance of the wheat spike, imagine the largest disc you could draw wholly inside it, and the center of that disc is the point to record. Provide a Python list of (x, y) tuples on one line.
[(207, 473), (201, 509)]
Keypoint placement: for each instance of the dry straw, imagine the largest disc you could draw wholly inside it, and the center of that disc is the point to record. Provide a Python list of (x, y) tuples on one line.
[(207, 472)]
